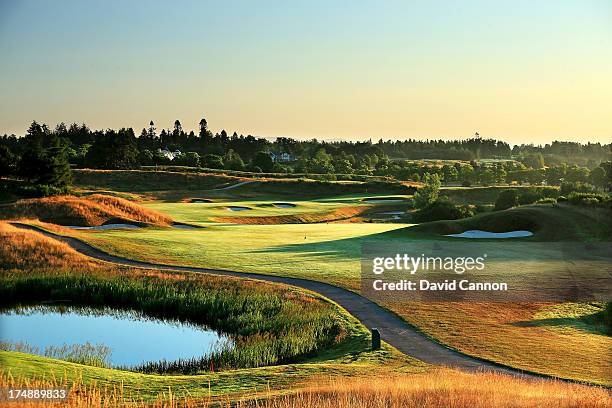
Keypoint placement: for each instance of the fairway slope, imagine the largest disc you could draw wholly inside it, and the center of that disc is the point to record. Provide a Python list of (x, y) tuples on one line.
[(93, 210)]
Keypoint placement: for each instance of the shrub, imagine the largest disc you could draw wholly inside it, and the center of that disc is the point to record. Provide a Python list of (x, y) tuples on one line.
[(568, 187), (589, 199), (506, 199), (442, 209), (547, 200), (427, 194)]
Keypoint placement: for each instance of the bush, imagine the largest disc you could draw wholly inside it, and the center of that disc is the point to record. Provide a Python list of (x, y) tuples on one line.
[(42, 190), (548, 200), (589, 199), (506, 199), (568, 187), (466, 183), (529, 196), (442, 209)]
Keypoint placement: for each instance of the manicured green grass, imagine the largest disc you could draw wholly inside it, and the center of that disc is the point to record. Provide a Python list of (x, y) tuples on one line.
[(326, 252), (224, 385), (206, 212)]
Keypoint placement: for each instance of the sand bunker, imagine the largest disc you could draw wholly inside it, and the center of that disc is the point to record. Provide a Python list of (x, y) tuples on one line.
[(486, 234), (284, 205), (234, 208), (105, 227)]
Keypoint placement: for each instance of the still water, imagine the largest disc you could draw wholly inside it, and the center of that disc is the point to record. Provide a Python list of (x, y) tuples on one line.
[(132, 337)]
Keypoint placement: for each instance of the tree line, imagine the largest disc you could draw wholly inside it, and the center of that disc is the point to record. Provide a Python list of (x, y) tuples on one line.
[(43, 156)]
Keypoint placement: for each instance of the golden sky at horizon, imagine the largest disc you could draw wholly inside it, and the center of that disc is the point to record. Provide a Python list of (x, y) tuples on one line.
[(532, 72)]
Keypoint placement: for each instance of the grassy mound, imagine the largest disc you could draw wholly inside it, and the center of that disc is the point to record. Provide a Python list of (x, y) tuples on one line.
[(23, 249), (340, 214), (93, 210), (142, 180), (306, 188), (547, 222)]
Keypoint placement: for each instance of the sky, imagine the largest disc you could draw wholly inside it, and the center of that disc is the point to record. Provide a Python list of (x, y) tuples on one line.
[(521, 71)]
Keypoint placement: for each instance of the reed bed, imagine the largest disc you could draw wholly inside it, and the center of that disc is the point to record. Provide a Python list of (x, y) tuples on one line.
[(268, 324)]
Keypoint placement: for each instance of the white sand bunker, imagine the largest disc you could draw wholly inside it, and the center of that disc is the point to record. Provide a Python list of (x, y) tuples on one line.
[(393, 213), (486, 234), (105, 227), (284, 205), (234, 208)]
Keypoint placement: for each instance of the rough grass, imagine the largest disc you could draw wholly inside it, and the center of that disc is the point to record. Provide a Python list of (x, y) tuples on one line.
[(143, 180), (22, 250), (558, 340), (482, 195), (93, 210), (149, 181), (439, 388), (442, 388)]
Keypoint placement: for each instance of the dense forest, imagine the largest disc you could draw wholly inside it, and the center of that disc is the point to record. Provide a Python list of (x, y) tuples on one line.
[(44, 156)]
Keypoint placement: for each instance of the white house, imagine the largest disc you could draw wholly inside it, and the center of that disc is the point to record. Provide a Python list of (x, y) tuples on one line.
[(168, 154), (281, 157)]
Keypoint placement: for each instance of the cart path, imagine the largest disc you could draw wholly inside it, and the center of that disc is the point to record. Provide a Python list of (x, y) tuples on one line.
[(393, 330), (232, 186)]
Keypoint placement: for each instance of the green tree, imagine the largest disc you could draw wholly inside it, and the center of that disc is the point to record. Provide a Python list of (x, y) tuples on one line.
[(212, 161), (7, 161), (233, 161), (598, 177), (506, 199), (429, 192), (263, 161)]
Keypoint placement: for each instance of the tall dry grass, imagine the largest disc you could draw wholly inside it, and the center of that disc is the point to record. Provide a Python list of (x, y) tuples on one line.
[(23, 249), (435, 389), (92, 210), (443, 388)]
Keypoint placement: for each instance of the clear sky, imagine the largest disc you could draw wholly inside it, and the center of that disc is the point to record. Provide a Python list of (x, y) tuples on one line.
[(522, 71)]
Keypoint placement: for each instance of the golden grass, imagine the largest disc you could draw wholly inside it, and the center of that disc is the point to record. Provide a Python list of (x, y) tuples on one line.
[(23, 249), (92, 210), (509, 333), (443, 388), (434, 389)]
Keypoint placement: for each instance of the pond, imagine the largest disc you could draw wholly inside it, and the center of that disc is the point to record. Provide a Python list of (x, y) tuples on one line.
[(132, 337)]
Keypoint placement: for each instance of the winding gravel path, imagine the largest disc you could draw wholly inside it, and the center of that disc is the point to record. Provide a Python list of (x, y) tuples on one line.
[(232, 186), (393, 330)]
